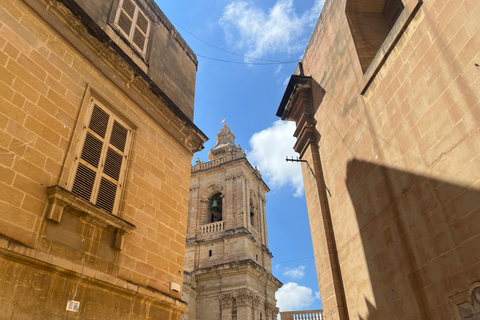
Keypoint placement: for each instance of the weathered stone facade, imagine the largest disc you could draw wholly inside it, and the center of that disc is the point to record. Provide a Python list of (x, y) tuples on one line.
[(96, 140), (228, 273), (386, 103)]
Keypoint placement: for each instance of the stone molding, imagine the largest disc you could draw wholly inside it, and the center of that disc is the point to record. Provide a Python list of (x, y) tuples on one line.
[(211, 189), (12, 250), (202, 167), (465, 297), (306, 133), (230, 266), (229, 233), (71, 22), (60, 199), (243, 297)]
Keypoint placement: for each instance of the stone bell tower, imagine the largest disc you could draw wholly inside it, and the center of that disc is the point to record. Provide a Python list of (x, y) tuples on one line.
[(228, 272)]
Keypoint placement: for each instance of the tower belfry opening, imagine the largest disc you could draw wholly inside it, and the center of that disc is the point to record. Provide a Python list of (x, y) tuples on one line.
[(215, 208), (228, 272)]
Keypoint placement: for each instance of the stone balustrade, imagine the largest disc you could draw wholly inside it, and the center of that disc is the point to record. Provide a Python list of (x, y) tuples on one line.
[(211, 227), (302, 315), (201, 166)]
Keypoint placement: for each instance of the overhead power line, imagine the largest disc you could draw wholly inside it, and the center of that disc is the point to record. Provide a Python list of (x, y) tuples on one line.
[(239, 62), (233, 53)]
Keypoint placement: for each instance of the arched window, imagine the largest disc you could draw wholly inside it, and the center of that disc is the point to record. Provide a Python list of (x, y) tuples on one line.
[(370, 23), (215, 208)]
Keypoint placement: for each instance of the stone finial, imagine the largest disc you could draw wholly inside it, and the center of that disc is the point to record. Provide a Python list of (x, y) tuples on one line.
[(225, 144)]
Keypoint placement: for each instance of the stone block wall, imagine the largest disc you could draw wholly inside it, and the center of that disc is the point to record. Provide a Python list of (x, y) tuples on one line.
[(51, 67), (169, 61), (399, 147)]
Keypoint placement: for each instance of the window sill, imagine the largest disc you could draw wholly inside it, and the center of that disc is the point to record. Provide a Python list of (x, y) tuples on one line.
[(389, 44), (60, 199)]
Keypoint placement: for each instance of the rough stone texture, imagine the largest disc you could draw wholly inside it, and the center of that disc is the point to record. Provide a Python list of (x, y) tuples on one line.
[(171, 63), (399, 151), (227, 262), (51, 65)]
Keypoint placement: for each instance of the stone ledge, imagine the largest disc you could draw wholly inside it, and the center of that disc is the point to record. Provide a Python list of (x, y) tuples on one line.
[(12, 250), (60, 199), (233, 266)]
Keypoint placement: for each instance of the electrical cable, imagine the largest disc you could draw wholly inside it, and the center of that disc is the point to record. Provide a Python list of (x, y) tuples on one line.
[(252, 63), (230, 52)]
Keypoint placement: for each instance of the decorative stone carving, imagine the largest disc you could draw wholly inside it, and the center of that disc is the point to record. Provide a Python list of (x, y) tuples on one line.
[(466, 304), (212, 188), (226, 300)]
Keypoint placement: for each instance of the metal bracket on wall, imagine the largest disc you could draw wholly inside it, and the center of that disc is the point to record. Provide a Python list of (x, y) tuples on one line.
[(292, 159)]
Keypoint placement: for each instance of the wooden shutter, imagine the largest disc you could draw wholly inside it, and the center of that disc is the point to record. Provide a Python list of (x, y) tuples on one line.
[(113, 166), (102, 160), (89, 161), (142, 28), (134, 24), (126, 16)]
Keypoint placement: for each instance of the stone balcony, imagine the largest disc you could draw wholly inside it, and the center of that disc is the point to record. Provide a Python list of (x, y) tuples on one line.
[(211, 227), (302, 315)]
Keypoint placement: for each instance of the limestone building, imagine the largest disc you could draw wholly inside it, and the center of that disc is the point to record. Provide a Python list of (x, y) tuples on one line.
[(228, 272), (96, 140), (386, 103)]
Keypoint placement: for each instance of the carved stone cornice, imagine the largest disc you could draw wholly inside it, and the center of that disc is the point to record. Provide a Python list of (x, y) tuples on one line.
[(296, 99), (86, 36), (264, 248), (229, 267), (306, 133)]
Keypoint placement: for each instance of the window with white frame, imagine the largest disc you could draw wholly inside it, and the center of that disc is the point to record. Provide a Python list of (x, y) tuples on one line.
[(101, 161), (133, 24)]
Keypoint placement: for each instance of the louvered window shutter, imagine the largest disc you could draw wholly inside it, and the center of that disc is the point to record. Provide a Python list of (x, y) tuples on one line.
[(126, 16), (102, 160), (134, 24), (142, 27)]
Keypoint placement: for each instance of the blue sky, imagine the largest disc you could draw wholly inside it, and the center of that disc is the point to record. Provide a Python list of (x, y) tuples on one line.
[(248, 96)]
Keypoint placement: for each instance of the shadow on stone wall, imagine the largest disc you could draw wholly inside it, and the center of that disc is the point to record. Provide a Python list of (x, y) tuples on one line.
[(420, 238)]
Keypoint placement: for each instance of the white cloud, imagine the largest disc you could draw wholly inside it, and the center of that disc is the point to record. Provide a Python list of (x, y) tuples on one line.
[(293, 297), (281, 30), (269, 149), (317, 296), (297, 273), (278, 69)]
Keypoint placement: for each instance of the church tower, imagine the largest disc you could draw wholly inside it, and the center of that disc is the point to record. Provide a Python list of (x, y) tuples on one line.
[(228, 272)]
